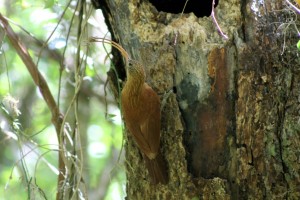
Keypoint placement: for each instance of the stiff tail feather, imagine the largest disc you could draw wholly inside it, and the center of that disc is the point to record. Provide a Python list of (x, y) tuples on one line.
[(157, 169)]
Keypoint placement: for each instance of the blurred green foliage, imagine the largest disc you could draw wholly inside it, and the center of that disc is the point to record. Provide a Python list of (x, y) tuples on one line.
[(29, 154)]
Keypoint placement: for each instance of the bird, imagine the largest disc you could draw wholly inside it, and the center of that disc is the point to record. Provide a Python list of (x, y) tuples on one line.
[(141, 113)]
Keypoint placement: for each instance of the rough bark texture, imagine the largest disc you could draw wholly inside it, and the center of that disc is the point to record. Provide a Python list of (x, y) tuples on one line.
[(230, 127)]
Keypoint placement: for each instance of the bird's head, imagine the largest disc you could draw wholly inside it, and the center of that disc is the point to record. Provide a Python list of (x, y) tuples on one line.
[(135, 70)]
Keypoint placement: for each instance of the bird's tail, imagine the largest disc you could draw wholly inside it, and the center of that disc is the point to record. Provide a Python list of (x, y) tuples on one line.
[(157, 169)]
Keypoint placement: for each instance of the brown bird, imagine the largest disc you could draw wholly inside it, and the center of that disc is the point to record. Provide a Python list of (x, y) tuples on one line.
[(141, 112)]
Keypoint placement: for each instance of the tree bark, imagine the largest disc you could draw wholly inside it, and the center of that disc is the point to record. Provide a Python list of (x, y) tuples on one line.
[(230, 125)]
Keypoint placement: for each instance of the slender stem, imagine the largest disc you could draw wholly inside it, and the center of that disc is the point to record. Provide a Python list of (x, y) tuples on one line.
[(215, 20), (40, 82), (293, 6)]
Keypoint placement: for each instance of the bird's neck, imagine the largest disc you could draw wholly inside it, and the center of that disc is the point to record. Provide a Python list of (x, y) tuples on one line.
[(134, 85)]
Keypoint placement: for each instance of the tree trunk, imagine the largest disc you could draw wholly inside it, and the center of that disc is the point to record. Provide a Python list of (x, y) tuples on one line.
[(230, 121)]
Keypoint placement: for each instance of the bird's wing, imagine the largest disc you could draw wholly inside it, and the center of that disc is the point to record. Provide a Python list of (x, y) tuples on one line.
[(150, 126), (133, 117)]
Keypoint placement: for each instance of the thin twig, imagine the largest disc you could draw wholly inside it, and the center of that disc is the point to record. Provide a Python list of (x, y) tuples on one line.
[(6, 68), (37, 77), (176, 34), (61, 68), (215, 20), (126, 55), (52, 33), (293, 6), (40, 82)]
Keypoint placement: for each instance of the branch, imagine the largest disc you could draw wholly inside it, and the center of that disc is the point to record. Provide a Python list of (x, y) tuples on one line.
[(40, 82), (37, 77)]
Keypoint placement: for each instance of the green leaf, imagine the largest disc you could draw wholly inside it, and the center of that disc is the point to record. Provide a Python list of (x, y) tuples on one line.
[(49, 3), (298, 45)]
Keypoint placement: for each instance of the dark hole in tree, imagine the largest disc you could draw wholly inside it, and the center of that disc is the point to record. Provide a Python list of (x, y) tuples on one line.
[(200, 8), (174, 89)]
